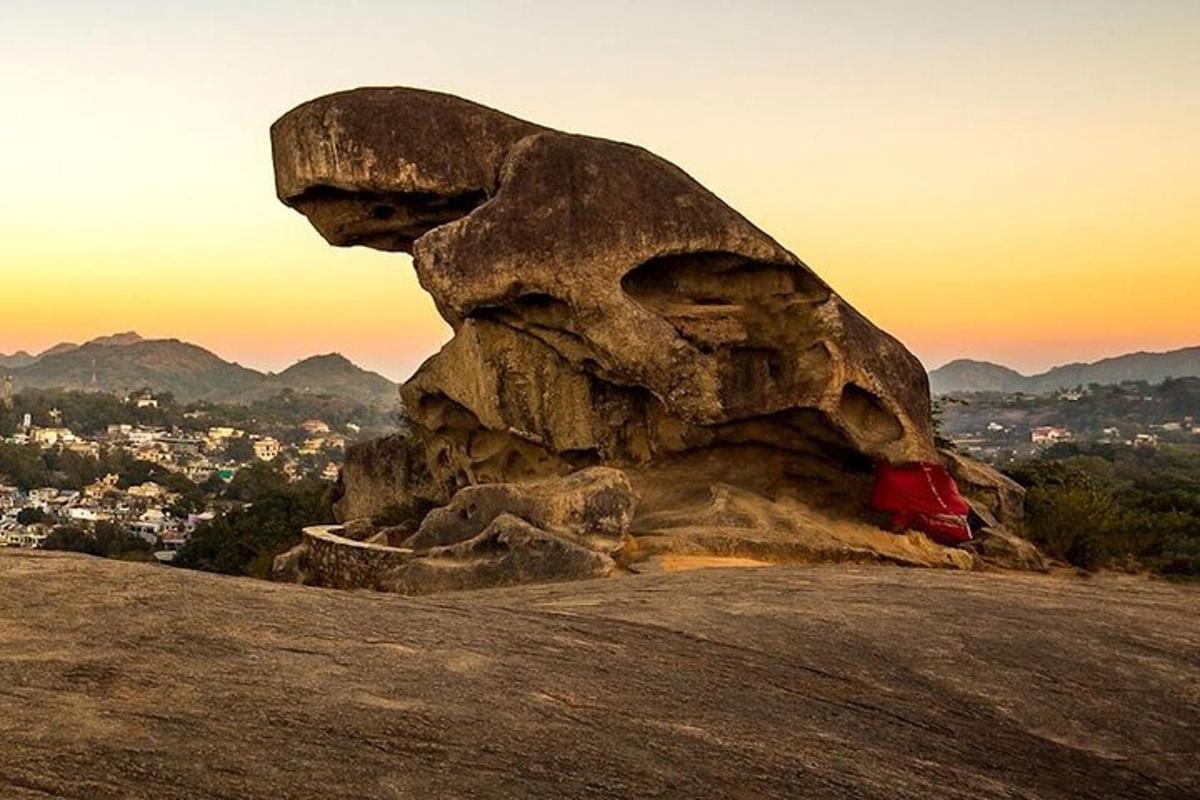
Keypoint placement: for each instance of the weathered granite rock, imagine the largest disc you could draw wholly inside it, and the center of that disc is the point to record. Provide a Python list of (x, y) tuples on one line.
[(631, 272), (593, 507), (607, 310), (290, 566), (497, 534), (378, 479), (997, 514), (999, 494), (998, 545), (508, 551), (130, 681)]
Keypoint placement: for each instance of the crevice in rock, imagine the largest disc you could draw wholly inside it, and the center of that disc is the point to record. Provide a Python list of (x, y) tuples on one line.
[(675, 284), (384, 221)]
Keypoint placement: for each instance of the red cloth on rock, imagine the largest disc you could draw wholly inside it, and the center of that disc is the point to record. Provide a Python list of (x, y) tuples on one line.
[(923, 497)]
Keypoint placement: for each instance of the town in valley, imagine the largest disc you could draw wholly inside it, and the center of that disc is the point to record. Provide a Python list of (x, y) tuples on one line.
[(1003, 427), (149, 470)]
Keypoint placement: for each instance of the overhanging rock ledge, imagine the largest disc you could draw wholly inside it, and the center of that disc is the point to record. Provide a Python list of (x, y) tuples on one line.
[(611, 316)]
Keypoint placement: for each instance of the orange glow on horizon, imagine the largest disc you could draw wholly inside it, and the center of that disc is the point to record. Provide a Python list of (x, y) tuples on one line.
[(1014, 184)]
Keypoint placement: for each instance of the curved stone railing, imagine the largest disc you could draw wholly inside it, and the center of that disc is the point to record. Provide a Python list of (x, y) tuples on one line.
[(341, 563)]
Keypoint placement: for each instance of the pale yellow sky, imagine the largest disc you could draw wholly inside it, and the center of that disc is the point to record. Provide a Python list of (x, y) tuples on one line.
[(1018, 183)]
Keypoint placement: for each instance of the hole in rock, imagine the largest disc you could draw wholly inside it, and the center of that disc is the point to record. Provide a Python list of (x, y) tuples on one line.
[(866, 417), (669, 284)]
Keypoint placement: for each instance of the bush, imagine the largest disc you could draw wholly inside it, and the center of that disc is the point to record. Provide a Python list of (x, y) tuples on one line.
[(1105, 506), (1071, 523), (31, 516), (105, 539), (246, 541)]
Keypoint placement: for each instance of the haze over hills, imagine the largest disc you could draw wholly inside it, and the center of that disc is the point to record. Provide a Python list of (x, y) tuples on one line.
[(21, 358), (17, 359), (125, 362), (967, 375)]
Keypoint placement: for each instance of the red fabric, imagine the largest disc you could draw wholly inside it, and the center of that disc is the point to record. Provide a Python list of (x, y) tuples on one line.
[(923, 497)]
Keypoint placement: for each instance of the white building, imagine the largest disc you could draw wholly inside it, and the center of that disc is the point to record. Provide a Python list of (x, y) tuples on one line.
[(148, 490), (84, 514), (1049, 434), (51, 437), (42, 496), (196, 520), (198, 471), (143, 436), (315, 427), (266, 448), (29, 537)]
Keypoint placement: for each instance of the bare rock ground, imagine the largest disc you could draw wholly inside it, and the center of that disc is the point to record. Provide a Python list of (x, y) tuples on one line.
[(132, 681)]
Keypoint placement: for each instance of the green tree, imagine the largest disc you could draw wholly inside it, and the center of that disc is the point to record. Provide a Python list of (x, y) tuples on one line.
[(239, 449), (106, 539), (1111, 506), (31, 516), (246, 541), (22, 466), (186, 505), (256, 480), (73, 539)]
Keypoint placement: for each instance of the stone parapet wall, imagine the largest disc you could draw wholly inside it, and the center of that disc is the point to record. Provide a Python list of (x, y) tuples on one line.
[(340, 563)]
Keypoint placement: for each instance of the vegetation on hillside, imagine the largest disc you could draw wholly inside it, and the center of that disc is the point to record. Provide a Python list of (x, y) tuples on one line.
[(30, 467), (245, 541), (90, 413), (104, 539), (1131, 407), (1113, 506), (118, 365)]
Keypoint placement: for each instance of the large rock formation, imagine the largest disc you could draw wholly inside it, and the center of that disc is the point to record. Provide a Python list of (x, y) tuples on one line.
[(607, 310)]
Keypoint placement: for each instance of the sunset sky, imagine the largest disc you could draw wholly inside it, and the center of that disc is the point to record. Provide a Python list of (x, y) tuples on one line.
[(1018, 182)]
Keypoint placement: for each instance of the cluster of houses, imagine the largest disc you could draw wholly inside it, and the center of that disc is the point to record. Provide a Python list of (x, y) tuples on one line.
[(998, 442), (142, 509), (1044, 436)]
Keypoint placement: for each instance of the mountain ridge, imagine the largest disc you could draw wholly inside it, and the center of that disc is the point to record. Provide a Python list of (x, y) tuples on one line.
[(125, 362), (20, 358), (971, 375)]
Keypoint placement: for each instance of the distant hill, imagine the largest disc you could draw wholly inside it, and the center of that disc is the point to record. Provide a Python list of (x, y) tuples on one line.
[(335, 374), (61, 347), (23, 359), (125, 362), (17, 359), (965, 375), (117, 339)]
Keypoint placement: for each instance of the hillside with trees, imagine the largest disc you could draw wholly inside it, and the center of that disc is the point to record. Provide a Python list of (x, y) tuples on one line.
[(124, 363), (968, 375)]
